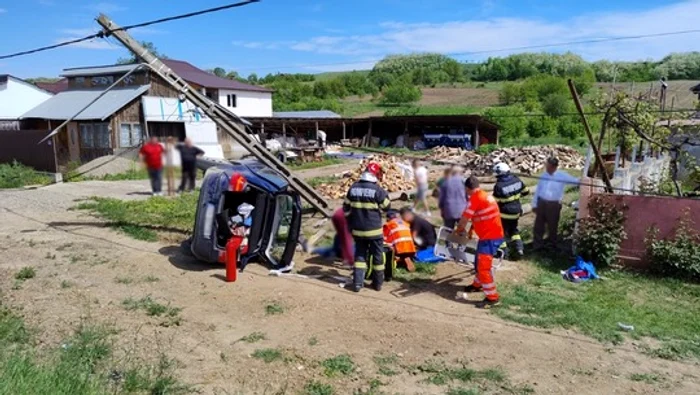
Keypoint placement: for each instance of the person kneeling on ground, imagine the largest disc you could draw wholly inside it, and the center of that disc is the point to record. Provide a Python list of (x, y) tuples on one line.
[(422, 231), (483, 213), (397, 234)]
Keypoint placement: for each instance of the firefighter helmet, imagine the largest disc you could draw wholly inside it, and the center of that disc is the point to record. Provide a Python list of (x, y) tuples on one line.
[(375, 169), (501, 168)]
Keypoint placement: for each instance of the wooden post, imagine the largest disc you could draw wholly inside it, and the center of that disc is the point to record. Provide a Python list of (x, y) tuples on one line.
[(170, 166), (284, 132), (587, 127), (618, 151), (316, 136), (476, 136), (262, 132), (344, 137), (369, 134), (587, 165)]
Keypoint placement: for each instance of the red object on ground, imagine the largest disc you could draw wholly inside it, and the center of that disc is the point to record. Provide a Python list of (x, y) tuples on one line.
[(232, 253), (152, 155), (340, 224)]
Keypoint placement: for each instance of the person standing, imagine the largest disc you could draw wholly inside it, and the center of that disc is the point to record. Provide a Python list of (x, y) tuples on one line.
[(546, 202), (152, 155), (321, 136), (363, 208), (397, 234), (452, 200), (420, 173), (188, 156), (484, 216), (422, 231), (507, 192)]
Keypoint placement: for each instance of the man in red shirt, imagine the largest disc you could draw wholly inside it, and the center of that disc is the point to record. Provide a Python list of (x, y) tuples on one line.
[(485, 217), (152, 155)]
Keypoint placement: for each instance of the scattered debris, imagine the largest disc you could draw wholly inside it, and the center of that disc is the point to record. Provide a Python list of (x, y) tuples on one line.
[(526, 160), (395, 177)]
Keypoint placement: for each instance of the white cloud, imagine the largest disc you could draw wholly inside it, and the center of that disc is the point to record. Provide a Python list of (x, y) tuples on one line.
[(488, 34), (105, 7)]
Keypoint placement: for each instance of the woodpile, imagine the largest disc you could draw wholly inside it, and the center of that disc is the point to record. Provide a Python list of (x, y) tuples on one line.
[(527, 160), (395, 178)]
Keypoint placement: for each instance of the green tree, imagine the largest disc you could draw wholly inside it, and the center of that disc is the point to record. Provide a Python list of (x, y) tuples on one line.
[(454, 70), (253, 79), (401, 92), (512, 120), (131, 59), (557, 104), (219, 72)]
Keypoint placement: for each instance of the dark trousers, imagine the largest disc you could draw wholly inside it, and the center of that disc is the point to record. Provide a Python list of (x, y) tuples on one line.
[(156, 177), (450, 222), (548, 213), (512, 233), (374, 250), (189, 175)]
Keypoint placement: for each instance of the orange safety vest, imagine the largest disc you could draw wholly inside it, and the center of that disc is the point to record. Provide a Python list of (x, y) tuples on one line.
[(485, 216), (398, 234)]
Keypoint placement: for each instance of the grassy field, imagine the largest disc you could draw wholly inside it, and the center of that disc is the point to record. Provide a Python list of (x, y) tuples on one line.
[(327, 161), (665, 310), (15, 175), (85, 363)]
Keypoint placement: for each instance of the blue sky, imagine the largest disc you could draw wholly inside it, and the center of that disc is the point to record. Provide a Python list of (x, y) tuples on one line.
[(328, 35)]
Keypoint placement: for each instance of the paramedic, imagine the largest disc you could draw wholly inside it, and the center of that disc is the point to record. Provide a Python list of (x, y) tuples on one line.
[(397, 234)]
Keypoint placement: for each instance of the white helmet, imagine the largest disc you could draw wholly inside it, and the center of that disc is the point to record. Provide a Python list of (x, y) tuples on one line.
[(501, 168)]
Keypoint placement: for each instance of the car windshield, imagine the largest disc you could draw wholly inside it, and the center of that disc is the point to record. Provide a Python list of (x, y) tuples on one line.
[(284, 206)]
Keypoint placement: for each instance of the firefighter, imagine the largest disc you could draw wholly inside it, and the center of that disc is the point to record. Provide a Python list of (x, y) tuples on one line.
[(507, 192), (483, 214), (363, 207), (397, 234)]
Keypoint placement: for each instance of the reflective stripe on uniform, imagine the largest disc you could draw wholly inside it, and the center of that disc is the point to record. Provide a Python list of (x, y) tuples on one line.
[(485, 217), (360, 265), (401, 240), (517, 237), (364, 205), (510, 216), (381, 267), (385, 203), (368, 233), (508, 199)]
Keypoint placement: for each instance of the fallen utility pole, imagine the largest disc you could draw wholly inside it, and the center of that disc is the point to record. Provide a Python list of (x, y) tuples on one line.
[(587, 127), (224, 119)]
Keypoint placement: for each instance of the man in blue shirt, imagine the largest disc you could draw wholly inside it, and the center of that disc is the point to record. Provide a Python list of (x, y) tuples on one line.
[(546, 203)]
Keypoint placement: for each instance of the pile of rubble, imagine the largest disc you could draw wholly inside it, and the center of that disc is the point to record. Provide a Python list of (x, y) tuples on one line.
[(397, 177), (527, 160)]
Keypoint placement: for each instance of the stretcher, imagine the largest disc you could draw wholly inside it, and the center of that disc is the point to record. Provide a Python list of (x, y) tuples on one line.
[(460, 249)]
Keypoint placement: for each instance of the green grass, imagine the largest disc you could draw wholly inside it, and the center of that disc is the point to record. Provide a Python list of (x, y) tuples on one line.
[(84, 364), (439, 373), (253, 337), (274, 309), (663, 309), (65, 284), (313, 341), (123, 280), (424, 271), (268, 355), (16, 175), (341, 365), (25, 273), (317, 181), (327, 161), (141, 219), (318, 388), (648, 378), (151, 307), (387, 365)]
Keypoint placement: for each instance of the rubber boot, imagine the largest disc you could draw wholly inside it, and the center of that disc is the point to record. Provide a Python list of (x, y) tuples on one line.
[(378, 280), (358, 279)]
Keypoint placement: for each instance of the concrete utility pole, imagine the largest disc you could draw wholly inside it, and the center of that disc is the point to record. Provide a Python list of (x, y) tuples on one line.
[(224, 119)]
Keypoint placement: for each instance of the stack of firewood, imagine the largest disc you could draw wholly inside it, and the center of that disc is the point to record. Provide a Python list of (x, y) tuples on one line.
[(395, 178), (526, 160)]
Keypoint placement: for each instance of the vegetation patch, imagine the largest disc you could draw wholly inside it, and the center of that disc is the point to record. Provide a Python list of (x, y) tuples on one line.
[(274, 309), (151, 307), (25, 273), (663, 309), (269, 355), (318, 388), (253, 337), (327, 161), (341, 365), (424, 271), (16, 175)]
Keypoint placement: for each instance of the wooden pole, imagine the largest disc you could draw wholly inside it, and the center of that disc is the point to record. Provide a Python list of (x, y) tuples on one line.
[(344, 136), (170, 168), (284, 132), (587, 128)]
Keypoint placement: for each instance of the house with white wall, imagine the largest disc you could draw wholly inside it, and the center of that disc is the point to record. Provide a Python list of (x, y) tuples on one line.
[(17, 97), (244, 100)]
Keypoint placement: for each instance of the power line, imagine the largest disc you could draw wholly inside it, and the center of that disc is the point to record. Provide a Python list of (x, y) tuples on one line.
[(103, 34), (487, 51)]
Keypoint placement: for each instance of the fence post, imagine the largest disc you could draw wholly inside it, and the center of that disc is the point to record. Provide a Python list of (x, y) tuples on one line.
[(617, 157), (587, 166)]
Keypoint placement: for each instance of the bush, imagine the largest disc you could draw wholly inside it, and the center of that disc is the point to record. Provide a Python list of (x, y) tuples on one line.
[(599, 236), (486, 149), (511, 119), (17, 175), (678, 256), (401, 93)]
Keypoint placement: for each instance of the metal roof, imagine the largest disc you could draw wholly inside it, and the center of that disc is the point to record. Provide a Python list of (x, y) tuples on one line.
[(98, 70), (65, 104), (192, 74), (306, 114)]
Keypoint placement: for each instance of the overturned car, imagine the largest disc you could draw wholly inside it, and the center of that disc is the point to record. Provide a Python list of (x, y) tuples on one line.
[(248, 197)]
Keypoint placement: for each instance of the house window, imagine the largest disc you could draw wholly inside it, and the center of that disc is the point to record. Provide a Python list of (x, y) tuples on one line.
[(95, 135), (231, 100), (130, 135)]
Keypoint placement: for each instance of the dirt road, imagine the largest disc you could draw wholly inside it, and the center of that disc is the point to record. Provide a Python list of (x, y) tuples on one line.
[(83, 268)]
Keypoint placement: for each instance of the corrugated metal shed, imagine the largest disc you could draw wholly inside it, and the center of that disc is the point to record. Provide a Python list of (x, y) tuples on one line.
[(306, 114), (65, 104), (98, 70)]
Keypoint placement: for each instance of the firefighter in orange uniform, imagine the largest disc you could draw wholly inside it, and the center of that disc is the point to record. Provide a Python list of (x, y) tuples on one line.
[(397, 234), (485, 217)]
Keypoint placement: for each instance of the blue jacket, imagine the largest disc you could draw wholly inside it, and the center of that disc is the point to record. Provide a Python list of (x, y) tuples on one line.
[(453, 200)]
